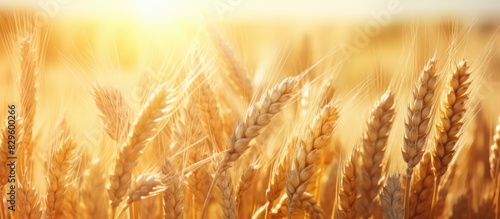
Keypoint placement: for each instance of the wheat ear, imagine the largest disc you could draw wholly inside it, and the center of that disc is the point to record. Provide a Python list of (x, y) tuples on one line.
[(93, 204), (495, 165), (277, 182), (417, 123), (173, 197), (304, 165), (372, 150), (148, 208), (391, 199), (327, 92), (228, 202), (4, 154), (246, 180), (61, 164), (421, 189), (211, 120), (114, 110), (198, 180), (495, 153), (258, 116), (29, 201), (28, 95), (69, 207), (450, 125), (236, 71), (146, 126), (347, 194), (145, 185), (306, 202)]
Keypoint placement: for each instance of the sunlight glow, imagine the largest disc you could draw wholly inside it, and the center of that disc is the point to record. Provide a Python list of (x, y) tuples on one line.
[(150, 11)]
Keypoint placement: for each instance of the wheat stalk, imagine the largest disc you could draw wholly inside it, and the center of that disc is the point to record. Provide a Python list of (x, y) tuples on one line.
[(372, 152), (417, 123), (304, 165), (450, 124), (145, 128), (391, 199)]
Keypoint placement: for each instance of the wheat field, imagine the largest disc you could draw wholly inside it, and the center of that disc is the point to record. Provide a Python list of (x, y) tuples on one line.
[(112, 117)]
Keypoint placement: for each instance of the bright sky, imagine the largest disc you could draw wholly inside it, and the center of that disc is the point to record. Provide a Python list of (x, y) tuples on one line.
[(162, 9)]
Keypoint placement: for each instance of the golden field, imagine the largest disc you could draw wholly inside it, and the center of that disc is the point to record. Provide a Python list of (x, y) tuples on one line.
[(135, 112)]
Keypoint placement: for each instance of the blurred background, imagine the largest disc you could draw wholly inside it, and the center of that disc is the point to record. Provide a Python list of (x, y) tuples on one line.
[(368, 46)]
